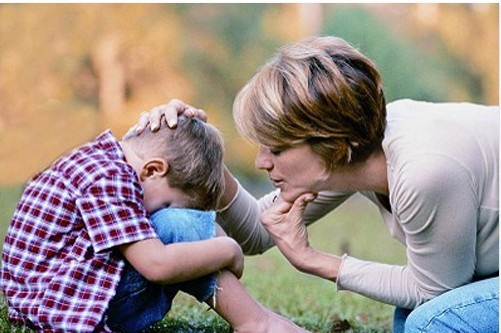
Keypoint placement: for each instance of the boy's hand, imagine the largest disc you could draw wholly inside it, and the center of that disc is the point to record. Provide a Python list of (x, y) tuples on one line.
[(170, 112)]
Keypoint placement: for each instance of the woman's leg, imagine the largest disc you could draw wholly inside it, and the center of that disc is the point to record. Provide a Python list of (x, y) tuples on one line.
[(399, 318), (471, 308)]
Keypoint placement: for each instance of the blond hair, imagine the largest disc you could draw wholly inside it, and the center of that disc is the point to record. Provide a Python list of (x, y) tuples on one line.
[(321, 91), (194, 151)]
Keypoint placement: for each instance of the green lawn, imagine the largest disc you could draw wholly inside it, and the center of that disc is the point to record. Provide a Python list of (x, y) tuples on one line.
[(313, 303)]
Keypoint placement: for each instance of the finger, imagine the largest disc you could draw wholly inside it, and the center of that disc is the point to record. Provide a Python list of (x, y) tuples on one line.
[(302, 201), (199, 114), (154, 117), (192, 112), (172, 111), (280, 205), (142, 123), (189, 112)]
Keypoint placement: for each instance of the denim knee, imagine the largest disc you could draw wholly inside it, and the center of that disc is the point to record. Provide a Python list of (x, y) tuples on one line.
[(470, 308), (174, 225), (139, 303)]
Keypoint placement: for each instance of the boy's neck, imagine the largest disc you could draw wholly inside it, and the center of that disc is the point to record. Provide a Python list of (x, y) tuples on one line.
[(131, 157), (177, 198)]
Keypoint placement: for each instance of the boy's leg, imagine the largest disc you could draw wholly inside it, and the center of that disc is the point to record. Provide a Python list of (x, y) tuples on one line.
[(232, 301), (243, 312), (471, 308), (175, 225), (139, 303)]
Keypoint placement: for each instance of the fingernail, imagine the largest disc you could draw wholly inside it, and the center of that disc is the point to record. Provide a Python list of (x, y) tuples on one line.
[(310, 197)]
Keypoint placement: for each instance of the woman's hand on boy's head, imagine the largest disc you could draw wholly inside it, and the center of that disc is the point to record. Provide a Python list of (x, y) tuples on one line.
[(170, 112)]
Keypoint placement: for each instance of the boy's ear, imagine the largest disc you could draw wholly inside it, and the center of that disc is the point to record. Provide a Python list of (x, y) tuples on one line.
[(154, 167)]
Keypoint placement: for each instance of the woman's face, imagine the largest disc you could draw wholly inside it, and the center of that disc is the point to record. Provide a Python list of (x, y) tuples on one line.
[(295, 170)]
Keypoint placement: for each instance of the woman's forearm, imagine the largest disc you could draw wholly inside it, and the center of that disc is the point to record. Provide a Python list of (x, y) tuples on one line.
[(239, 216), (321, 264), (230, 190)]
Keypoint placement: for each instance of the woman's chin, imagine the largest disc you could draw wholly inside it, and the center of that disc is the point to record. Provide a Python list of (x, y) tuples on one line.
[(291, 196)]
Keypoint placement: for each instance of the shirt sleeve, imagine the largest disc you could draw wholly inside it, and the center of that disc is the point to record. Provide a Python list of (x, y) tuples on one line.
[(242, 218), (114, 214), (439, 216)]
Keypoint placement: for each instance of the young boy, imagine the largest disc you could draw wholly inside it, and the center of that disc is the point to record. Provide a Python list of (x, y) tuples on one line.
[(82, 255)]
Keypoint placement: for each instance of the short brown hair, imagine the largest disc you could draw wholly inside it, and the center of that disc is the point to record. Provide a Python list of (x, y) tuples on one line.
[(194, 151), (321, 91)]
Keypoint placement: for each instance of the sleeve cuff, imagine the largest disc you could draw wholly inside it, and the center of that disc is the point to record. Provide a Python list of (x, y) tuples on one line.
[(339, 283), (225, 208)]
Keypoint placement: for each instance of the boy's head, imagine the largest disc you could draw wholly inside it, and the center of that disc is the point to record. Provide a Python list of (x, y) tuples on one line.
[(184, 162)]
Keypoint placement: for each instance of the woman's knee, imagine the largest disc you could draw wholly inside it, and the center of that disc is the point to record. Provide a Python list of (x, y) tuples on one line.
[(470, 308)]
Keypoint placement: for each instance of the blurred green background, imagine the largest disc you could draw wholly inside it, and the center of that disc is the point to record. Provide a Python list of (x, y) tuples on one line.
[(69, 71)]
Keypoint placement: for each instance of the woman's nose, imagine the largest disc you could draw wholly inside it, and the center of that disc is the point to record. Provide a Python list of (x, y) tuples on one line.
[(263, 161)]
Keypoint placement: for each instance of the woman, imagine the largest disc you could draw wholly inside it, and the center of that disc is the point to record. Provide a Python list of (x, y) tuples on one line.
[(318, 112)]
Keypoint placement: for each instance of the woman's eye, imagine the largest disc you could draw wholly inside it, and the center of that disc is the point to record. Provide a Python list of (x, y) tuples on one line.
[(276, 151)]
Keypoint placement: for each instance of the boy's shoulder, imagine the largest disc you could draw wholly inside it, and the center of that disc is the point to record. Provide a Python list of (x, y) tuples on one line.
[(83, 166)]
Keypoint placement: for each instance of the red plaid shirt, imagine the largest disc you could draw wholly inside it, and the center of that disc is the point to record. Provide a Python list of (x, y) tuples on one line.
[(61, 264)]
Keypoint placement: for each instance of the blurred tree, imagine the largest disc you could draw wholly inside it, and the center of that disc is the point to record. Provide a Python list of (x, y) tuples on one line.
[(110, 72), (224, 44), (292, 21), (204, 53), (469, 32), (49, 85), (407, 71)]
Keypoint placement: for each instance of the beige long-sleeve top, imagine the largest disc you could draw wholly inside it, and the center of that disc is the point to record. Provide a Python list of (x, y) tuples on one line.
[(443, 178)]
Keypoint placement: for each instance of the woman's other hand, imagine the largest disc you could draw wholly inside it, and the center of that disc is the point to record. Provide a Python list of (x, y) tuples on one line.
[(170, 112), (284, 222)]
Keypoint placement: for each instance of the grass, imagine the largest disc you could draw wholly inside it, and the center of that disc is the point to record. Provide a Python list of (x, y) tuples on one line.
[(310, 302)]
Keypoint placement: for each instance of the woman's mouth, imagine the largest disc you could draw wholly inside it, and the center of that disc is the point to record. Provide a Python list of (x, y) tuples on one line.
[(276, 182)]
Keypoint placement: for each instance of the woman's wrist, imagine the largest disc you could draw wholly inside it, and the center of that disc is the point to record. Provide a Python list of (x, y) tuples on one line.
[(319, 263), (230, 192)]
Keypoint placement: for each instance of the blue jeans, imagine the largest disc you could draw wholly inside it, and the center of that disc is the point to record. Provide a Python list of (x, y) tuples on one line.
[(470, 308), (139, 303)]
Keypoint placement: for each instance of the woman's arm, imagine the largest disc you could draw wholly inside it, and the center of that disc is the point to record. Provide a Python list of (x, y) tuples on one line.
[(284, 221), (179, 262), (241, 215), (239, 212), (435, 204)]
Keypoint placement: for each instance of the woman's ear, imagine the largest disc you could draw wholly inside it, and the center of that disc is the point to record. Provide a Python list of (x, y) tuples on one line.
[(155, 167)]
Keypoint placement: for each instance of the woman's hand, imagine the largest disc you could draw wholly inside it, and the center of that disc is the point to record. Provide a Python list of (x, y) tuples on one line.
[(284, 222), (170, 112)]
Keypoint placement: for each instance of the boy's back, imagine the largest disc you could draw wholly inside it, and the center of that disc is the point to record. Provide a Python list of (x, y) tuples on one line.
[(58, 268)]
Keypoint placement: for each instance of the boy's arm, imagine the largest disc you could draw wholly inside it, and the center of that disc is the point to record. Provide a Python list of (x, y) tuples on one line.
[(179, 262)]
